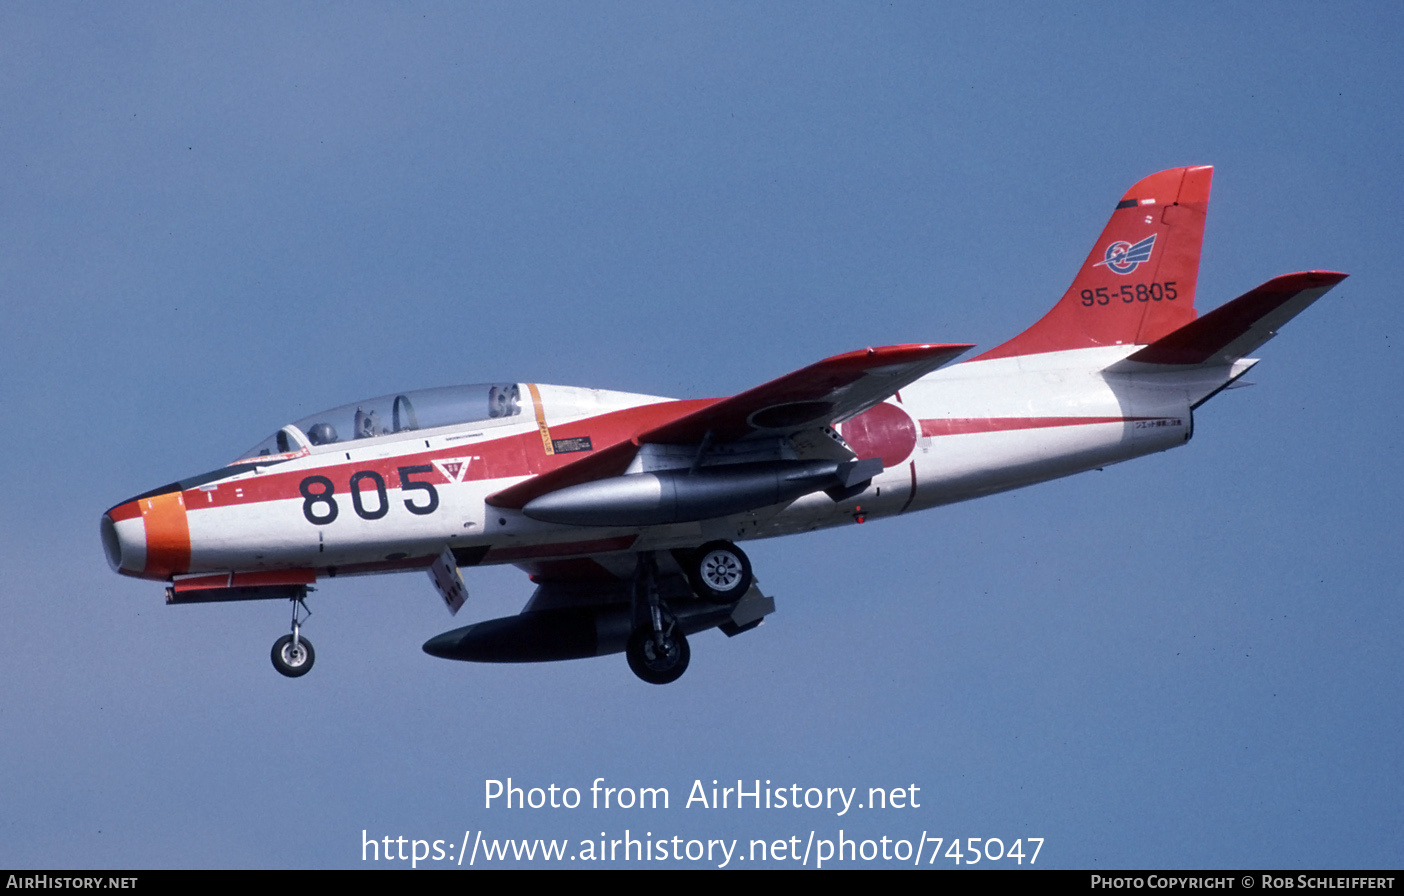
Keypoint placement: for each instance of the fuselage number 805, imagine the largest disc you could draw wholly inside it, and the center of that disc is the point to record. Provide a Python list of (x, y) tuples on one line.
[(320, 507)]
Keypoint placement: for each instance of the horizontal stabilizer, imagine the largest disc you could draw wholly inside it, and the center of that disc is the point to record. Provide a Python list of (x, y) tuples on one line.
[(1237, 328)]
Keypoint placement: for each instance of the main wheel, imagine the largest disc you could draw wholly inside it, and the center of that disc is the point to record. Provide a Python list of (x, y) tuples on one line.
[(720, 572), (657, 665), (293, 661)]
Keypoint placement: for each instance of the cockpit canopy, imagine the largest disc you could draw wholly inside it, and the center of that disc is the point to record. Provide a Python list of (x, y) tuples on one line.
[(390, 414)]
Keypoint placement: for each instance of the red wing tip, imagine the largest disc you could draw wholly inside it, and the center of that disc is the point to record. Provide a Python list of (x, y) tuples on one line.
[(907, 350)]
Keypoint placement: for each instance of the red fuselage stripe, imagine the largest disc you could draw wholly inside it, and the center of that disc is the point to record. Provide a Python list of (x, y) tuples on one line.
[(521, 454), (956, 426)]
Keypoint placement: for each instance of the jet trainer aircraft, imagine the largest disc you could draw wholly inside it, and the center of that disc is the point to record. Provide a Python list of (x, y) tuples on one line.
[(625, 509)]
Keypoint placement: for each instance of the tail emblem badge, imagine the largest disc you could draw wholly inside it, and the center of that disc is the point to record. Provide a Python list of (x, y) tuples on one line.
[(1123, 258)]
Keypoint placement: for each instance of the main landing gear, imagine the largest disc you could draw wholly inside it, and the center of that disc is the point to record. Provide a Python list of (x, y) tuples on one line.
[(657, 649), (293, 655), (720, 573), (659, 655)]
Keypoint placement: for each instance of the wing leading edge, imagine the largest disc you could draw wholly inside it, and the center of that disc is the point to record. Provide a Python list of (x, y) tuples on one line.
[(824, 393), (828, 392)]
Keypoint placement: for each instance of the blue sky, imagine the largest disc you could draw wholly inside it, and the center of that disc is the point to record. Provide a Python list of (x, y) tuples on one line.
[(217, 220)]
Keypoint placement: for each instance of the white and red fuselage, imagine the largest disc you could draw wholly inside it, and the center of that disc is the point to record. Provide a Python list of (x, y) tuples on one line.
[(969, 430), (573, 484)]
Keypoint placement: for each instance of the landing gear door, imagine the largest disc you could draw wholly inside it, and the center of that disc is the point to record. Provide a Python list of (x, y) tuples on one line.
[(448, 581)]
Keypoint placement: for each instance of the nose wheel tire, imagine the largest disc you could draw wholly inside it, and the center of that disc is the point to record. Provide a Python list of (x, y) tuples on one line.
[(292, 660), (720, 572), (655, 663)]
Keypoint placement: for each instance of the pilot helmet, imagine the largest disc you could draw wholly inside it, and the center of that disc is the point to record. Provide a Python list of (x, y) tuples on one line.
[(321, 434)]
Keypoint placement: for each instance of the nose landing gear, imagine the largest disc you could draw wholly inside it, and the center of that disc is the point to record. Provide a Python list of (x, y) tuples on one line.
[(292, 654)]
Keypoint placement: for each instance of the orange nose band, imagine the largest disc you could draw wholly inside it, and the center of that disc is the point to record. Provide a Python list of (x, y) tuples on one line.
[(167, 534)]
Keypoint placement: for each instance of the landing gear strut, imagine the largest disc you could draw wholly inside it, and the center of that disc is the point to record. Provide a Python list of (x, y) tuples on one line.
[(657, 650), (293, 655)]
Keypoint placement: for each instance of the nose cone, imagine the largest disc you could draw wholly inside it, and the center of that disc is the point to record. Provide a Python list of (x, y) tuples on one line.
[(124, 539)]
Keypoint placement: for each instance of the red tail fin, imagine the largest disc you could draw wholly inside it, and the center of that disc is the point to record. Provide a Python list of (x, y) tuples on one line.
[(1138, 283)]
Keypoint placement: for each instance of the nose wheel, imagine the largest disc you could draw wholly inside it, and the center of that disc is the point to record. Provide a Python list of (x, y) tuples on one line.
[(292, 654)]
